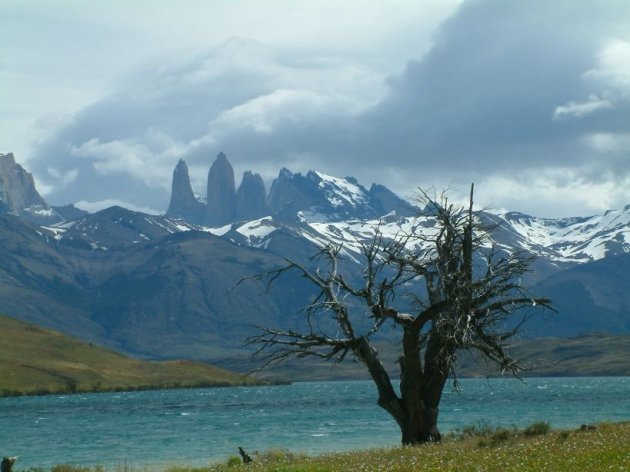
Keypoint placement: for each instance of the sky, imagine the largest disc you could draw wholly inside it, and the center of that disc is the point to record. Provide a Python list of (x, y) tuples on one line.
[(529, 100)]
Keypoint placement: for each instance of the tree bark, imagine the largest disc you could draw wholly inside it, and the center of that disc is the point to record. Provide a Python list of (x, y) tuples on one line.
[(417, 388), (421, 427), (387, 398)]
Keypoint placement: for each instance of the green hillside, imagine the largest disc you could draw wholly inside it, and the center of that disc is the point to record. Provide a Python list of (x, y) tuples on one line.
[(34, 360)]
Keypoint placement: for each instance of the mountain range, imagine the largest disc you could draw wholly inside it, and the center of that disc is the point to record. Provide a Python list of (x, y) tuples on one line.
[(165, 286)]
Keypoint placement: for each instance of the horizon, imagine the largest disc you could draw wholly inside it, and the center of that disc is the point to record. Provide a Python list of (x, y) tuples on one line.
[(530, 101), (109, 203)]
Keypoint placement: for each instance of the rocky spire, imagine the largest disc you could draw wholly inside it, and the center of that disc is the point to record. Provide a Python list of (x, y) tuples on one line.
[(183, 202), (250, 197), (221, 208), (291, 192), (17, 188), (19, 196)]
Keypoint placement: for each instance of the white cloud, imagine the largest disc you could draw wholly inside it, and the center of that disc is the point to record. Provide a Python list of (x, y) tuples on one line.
[(63, 178), (609, 143), (609, 82), (552, 193), (145, 158), (613, 69), (263, 113), (579, 110)]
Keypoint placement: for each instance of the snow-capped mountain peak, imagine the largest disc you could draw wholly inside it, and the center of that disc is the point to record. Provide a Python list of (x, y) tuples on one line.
[(339, 191), (579, 239)]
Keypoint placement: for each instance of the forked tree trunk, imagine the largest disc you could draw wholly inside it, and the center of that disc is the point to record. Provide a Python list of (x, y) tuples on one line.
[(420, 390), (420, 411), (416, 409), (420, 428)]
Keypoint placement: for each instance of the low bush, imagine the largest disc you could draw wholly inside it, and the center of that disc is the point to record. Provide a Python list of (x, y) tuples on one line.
[(539, 428)]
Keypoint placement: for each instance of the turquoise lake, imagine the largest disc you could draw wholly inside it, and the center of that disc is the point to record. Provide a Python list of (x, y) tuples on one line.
[(201, 426)]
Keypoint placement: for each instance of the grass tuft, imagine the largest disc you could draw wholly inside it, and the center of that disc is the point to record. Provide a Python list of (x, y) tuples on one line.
[(539, 428)]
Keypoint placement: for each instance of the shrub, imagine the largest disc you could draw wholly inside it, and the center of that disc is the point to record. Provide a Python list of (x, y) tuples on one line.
[(498, 436), (539, 428), (234, 461), (501, 435), (483, 428), (69, 468)]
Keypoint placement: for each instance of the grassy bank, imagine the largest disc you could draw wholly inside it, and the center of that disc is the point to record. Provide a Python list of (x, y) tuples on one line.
[(35, 361), (604, 447), (536, 448)]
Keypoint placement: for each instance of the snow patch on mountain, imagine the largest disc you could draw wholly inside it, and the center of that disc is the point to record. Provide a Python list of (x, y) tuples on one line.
[(573, 239), (256, 231), (342, 191)]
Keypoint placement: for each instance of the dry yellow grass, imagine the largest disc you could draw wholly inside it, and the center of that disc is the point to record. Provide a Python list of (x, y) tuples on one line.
[(36, 360)]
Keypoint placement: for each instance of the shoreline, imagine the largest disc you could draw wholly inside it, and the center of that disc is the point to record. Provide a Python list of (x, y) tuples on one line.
[(267, 383), (141, 388), (6, 393), (536, 444)]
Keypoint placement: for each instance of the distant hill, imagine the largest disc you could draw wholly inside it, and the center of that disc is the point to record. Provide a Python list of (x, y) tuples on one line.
[(34, 360), (591, 355)]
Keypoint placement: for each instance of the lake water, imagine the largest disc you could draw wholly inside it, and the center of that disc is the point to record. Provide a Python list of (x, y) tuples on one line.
[(197, 427)]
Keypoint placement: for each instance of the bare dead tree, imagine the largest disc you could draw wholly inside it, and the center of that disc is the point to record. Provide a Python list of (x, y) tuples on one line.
[(459, 304)]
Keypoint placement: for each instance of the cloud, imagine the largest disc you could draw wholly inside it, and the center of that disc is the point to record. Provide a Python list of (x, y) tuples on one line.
[(612, 73), (609, 143), (510, 92), (64, 178), (578, 110), (560, 188), (232, 97), (143, 158)]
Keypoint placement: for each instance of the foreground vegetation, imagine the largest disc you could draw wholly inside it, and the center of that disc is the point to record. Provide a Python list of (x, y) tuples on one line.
[(536, 448), (35, 361), (477, 448)]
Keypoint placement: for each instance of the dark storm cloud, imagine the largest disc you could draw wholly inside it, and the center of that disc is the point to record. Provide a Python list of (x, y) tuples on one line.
[(510, 90), (484, 98)]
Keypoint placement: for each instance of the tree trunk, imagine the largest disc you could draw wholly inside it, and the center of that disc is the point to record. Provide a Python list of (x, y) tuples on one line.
[(417, 387), (421, 428)]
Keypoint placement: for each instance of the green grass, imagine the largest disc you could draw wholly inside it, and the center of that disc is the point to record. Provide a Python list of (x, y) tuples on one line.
[(34, 360), (534, 449), (479, 448)]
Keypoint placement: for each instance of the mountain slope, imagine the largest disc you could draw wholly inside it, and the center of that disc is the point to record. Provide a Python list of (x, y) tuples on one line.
[(172, 295), (36, 360), (588, 297), (162, 287), (577, 240)]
